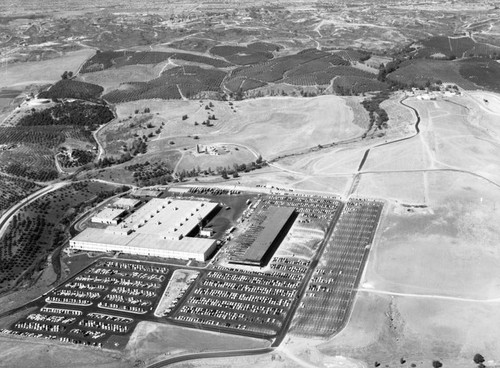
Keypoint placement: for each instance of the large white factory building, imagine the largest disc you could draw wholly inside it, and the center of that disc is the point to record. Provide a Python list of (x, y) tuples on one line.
[(161, 228)]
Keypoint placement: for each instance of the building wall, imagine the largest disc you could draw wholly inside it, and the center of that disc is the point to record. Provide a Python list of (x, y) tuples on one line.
[(106, 221), (99, 247)]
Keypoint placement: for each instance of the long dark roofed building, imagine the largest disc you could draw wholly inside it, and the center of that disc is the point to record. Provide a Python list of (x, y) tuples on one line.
[(278, 222)]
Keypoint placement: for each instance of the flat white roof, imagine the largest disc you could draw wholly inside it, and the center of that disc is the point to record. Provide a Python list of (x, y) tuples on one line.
[(109, 213), (167, 218), (147, 192), (126, 202), (146, 241)]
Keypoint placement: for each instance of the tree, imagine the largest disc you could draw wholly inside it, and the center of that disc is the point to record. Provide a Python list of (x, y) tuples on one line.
[(437, 364), (259, 159), (478, 358), (64, 75)]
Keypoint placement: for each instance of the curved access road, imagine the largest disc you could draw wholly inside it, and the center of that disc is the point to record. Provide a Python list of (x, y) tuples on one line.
[(417, 132), (214, 354), (5, 219)]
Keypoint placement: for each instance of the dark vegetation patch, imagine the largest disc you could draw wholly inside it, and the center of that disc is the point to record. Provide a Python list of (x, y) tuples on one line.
[(42, 226), (242, 84), (77, 113), (155, 173), (310, 67), (483, 72), (190, 80), (29, 148), (28, 151), (325, 76), (354, 85), (455, 47), (242, 55), (378, 116), (75, 158), (421, 73), (12, 190), (193, 44), (45, 136), (69, 88), (29, 161), (106, 59), (274, 70), (263, 46), (354, 55)]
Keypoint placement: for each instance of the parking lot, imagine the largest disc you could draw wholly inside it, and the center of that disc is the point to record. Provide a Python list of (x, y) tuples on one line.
[(330, 293), (103, 300), (312, 208), (235, 301)]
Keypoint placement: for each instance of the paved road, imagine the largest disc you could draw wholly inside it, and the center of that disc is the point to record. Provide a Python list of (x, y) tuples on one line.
[(5, 219), (214, 354)]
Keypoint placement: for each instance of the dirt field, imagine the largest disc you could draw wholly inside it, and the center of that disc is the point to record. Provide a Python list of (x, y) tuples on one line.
[(247, 128), (43, 72), (260, 124), (111, 79), (385, 329), (151, 342), (459, 227), (176, 288), (44, 353), (302, 241), (408, 188)]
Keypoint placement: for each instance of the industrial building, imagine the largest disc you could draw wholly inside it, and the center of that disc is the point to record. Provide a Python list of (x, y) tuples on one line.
[(109, 216), (168, 218), (147, 193), (126, 203), (161, 228), (100, 240), (278, 222)]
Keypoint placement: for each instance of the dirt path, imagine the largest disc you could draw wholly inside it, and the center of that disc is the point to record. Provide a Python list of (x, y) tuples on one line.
[(429, 296)]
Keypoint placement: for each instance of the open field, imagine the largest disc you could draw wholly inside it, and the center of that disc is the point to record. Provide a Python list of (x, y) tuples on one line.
[(458, 227), (152, 341), (405, 188), (246, 128), (410, 154), (229, 155), (460, 133), (325, 162), (386, 328), (112, 78), (43, 72), (49, 353)]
